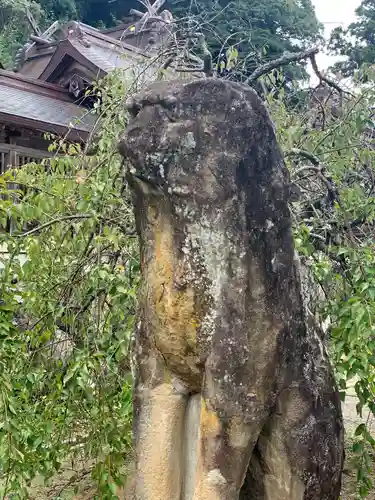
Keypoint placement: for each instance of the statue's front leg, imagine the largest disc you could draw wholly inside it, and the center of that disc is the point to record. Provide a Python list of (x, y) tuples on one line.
[(224, 450), (158, 431)]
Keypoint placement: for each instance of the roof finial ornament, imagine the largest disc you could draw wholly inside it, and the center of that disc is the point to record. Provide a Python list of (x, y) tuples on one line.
[(151, 14), (34, 25), (36, 38)]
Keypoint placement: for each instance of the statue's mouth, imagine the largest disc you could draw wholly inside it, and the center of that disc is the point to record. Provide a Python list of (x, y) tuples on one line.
[(140, 181), (142, 178), (132, 173)]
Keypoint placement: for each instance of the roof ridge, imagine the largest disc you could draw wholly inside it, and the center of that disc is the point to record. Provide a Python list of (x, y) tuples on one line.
[(101, 37)]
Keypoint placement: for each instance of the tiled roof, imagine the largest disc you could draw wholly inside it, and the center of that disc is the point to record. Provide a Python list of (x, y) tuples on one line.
[(144, 36), (75, 50), (23, 103), (106, 58)]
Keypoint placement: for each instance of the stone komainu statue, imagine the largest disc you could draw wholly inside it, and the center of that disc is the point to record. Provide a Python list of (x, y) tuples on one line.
[(234, 396)]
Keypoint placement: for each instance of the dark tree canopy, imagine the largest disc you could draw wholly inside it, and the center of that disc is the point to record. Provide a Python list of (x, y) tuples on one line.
[(14, 28), (93, 12), (258, 30)]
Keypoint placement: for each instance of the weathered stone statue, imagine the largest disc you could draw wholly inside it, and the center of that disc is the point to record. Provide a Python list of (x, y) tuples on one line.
[(234, 395)]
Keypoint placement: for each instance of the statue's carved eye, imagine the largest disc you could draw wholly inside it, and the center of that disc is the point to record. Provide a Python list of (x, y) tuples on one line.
[(134, 110)]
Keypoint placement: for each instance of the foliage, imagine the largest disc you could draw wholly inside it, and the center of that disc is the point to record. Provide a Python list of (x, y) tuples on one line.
[(14, 28), (259, 30), (92, 12), (357, 41), (70, 283), (63, 10), (332, 163)]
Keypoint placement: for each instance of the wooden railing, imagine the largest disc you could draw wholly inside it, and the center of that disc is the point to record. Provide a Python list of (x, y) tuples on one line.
[(12, 155)]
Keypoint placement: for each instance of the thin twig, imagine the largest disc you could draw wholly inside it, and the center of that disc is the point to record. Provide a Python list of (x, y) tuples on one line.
[(318, 169), (325, 79), (331, 131)]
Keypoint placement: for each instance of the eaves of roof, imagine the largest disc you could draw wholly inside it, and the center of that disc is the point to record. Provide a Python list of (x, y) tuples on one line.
[(39, 106), (16, 80)]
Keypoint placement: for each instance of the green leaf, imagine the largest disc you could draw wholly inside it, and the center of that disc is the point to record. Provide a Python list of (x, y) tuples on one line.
[(360, 430), (12, 409), (358, 447)]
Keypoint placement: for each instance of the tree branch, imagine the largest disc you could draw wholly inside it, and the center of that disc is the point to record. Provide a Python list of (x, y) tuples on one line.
[(72, 217), (318, 169), (304, 154), (323, 78), (285, 59), (189, 70), (51, 222)]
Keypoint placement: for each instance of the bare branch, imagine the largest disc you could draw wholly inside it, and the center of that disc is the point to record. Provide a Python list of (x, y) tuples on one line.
[(285, 59), (304, 154), (51, 222), (137, 13), (318, 168), (324, 79), (189, 70), (322, 109)]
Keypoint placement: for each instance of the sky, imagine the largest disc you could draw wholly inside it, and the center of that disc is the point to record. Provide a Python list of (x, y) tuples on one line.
[(333, 13)]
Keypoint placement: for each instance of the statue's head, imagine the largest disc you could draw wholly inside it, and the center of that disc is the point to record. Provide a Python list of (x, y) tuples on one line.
[(195, 138)]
